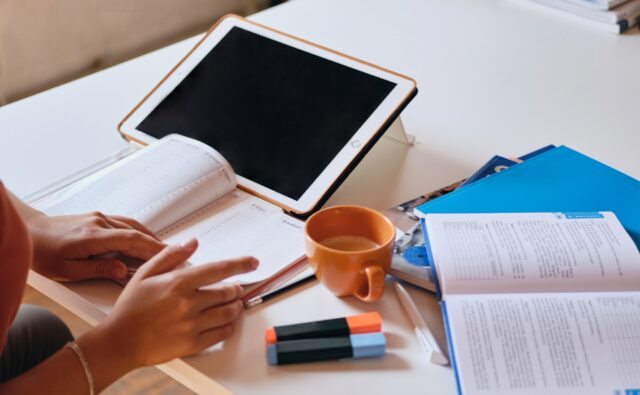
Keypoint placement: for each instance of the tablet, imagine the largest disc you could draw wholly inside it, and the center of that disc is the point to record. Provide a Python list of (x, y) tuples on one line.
[(293, 118)]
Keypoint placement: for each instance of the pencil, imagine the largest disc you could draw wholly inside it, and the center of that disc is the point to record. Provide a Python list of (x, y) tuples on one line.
[(256, 300)]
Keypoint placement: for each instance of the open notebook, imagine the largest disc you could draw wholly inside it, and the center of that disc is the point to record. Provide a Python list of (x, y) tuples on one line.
[(180, 188)]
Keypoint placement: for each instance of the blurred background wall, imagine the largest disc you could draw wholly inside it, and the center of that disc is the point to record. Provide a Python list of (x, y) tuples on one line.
[(44, 43)]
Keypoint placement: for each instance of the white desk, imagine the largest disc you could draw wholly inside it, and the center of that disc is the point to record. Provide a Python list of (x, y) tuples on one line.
[(493, 77)]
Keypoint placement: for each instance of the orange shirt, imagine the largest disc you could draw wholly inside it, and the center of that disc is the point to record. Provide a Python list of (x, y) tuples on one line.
[(15, 256)]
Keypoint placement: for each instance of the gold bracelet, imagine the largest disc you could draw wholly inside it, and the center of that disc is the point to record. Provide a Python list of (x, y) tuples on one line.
[(85, 365)]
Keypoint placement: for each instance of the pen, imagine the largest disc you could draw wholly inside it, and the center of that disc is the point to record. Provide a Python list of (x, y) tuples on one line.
[(422, 331), (256, 300)]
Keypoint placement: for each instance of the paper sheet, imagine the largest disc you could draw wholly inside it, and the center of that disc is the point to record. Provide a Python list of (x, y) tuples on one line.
[(557, 343)]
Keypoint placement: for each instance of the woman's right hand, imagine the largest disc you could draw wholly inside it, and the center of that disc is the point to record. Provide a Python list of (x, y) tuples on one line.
[(163, 314)]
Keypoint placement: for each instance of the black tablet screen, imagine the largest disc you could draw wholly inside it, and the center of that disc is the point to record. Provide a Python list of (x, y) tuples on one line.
[(278, 114)]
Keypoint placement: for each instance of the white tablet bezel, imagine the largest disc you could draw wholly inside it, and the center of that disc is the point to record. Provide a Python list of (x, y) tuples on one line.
[(369, 130)]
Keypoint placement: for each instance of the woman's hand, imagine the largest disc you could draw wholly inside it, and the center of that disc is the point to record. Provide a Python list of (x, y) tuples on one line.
[(65, 247), (163, 313)]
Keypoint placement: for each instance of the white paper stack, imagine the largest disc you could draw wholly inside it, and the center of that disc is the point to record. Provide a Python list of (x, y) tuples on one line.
[(616, 16)]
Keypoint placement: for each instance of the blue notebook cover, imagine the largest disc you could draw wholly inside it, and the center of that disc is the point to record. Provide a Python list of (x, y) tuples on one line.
[(495, 165), (558, 180)]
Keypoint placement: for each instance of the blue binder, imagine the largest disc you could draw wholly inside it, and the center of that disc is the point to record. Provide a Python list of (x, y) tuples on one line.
[(558, 180)]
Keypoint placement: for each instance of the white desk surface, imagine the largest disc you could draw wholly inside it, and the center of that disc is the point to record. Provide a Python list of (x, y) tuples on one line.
[(494, 77)]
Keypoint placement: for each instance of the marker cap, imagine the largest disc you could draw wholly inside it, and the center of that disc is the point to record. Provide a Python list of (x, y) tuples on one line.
[(368, 345), (365, 323), (270, 336)]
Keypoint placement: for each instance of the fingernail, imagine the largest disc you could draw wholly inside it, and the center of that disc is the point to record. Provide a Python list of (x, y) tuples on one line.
[(119, 271), (254, 263), (239, 290), (190, 245)]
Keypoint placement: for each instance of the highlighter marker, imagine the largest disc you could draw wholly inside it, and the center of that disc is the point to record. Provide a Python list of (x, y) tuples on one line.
[(352, 325), (367, 345)]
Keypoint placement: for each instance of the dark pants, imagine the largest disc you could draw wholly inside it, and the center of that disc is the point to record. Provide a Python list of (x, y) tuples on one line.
[(35, 335)]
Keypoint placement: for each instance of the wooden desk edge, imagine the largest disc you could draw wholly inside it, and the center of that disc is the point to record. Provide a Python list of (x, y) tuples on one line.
[(178, 369)]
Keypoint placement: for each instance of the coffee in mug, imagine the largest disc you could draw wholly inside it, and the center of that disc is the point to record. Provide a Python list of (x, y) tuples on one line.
[(350, 250), (349, 243)]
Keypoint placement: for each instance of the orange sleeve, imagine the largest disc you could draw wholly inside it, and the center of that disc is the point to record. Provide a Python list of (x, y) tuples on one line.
[(15, 257)]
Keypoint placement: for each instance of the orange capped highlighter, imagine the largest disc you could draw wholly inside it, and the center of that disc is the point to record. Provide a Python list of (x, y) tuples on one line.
[(352, 325)]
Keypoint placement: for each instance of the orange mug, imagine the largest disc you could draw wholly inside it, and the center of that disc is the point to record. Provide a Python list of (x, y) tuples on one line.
[(350, 250)]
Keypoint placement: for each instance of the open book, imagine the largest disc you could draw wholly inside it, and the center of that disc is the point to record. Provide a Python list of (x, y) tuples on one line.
[(538, 303), (180, 188)]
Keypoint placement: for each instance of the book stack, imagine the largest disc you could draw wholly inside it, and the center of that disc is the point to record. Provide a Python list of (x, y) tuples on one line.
[(409, 262), (549, 179), (616, 16)]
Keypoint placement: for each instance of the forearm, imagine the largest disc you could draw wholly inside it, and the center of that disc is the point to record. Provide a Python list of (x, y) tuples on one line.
[(27, 212), (63, 372)]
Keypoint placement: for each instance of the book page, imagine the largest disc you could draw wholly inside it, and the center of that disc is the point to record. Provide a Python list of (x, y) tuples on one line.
[(158, 185), (532, 252), (240, 224), (559, 343)]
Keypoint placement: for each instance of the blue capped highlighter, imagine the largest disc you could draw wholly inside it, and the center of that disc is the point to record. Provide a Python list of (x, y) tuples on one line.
[(367, 345)]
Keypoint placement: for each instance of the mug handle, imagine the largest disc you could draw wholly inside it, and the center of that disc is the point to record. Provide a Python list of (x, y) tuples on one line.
[(375, 281)]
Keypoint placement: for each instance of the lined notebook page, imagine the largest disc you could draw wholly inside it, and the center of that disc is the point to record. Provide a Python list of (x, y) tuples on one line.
[(158, 185), (240, 224), (180, 188)]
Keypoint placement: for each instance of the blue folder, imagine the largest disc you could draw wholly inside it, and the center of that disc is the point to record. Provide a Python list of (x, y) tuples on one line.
[(558, 180)]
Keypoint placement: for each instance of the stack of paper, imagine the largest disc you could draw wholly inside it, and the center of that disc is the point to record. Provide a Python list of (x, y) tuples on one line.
[(615, 16)]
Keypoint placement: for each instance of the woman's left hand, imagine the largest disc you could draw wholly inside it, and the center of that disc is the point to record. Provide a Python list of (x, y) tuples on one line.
[(69, 247)]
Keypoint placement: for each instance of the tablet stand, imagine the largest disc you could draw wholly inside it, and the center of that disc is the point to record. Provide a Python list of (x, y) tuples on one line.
[(396, 132)]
